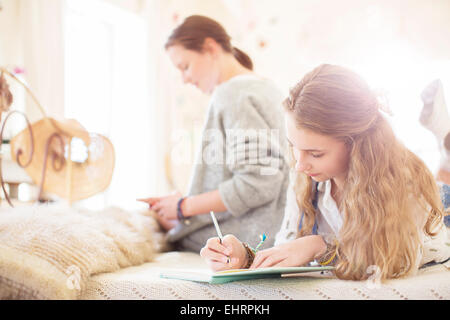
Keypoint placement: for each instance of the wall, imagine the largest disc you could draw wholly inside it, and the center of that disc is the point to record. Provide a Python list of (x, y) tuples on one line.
[(398, 45), (10, 53)]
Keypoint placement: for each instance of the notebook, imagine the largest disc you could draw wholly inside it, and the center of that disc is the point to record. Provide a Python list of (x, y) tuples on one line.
[(237, 274)]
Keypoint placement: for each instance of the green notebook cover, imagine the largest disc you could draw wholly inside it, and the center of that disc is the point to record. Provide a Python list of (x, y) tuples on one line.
[(235, 274)]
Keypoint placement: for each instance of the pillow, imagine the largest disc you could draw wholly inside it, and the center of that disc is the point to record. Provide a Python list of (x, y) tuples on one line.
[(48, 251)]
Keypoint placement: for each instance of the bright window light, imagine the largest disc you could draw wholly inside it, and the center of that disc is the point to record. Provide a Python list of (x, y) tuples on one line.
[(106, 90), (399, 76)]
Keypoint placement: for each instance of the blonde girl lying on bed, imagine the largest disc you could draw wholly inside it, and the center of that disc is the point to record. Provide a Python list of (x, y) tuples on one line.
[(358, 197)]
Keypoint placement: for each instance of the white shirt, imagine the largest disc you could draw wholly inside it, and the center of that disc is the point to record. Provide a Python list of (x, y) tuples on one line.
[(329, 222)]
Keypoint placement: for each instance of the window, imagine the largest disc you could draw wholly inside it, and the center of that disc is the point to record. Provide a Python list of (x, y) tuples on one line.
[(106, 90), (403, 75)]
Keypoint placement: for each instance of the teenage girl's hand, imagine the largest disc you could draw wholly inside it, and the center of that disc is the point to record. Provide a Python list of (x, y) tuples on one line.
[(166, 224), (149, 201), (230, 254), (291, 254), (166, 206)]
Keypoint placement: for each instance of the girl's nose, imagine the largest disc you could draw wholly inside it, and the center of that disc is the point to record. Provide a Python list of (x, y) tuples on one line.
[(302, 166)]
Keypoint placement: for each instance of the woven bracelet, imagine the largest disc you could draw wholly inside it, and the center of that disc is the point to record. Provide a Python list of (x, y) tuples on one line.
[(326, 259), (250, 255)]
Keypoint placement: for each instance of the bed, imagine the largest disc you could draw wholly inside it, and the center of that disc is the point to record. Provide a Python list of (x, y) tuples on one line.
[(60, 252), (143, 282)]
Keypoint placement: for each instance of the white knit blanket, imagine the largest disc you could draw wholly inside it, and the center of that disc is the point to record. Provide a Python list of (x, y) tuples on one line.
[(143, 282), (49, 252)]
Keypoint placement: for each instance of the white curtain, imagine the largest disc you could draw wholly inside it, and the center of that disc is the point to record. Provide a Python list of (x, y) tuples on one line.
[(41, 31)]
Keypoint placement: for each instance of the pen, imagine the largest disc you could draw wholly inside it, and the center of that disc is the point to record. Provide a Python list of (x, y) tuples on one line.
[(219, 233), (216, 224)]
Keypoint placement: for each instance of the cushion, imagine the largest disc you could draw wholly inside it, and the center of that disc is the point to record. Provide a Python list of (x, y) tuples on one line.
[(49, 252)]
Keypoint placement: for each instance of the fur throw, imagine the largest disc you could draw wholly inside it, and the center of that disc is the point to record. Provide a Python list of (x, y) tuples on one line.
[(48, 251)]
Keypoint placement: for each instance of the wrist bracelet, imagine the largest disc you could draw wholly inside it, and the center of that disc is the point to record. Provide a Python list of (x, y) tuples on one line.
[(250, 255), (180, 215), (329, 255)]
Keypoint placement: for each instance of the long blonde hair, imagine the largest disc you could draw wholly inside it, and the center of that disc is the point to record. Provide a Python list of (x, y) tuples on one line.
[(383, 176)]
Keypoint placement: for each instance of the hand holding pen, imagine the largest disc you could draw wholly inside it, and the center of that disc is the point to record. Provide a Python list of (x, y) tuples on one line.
[(224, 252), (228, 254)]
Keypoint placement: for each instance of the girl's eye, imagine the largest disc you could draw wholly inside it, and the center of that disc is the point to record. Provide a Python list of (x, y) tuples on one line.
[(316, 155)]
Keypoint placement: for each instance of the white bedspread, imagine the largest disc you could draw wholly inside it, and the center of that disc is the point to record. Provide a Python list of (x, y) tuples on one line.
[(143, 282)]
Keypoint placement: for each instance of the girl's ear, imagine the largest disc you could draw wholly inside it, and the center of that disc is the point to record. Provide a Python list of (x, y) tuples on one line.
[(349, 142), (210, 46)]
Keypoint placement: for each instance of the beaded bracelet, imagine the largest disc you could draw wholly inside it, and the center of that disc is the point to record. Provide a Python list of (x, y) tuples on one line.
[(252, 252), (250, 255), (325, 259), (180, 215)]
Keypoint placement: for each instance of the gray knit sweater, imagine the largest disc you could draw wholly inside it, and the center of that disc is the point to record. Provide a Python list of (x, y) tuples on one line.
[(242, 154)]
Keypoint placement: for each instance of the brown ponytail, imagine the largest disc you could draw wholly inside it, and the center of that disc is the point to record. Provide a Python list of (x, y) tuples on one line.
[(192, 33), (243, 58)]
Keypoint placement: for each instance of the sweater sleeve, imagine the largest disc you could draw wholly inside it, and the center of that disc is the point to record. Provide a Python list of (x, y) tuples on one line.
[(254, 156)]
